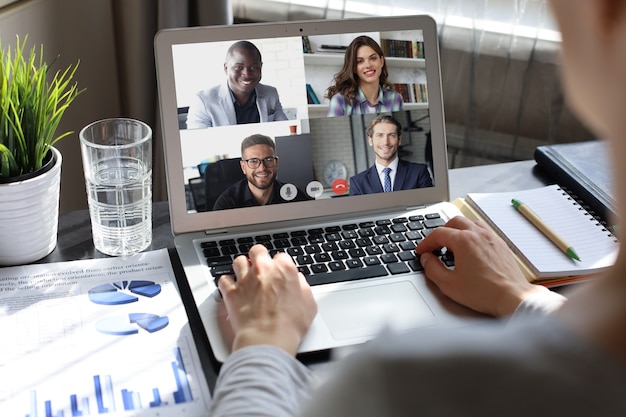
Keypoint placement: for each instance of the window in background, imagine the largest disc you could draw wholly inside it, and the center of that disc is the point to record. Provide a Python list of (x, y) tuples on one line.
[(529, 18)]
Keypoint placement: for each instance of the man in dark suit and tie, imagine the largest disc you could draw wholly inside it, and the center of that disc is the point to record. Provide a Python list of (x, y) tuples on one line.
[(389, 173)]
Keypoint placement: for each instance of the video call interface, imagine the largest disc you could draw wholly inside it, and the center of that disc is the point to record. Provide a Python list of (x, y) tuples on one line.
[(319, 155)]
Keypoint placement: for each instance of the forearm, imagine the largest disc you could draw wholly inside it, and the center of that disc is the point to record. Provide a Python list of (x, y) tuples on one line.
[(260, 381)]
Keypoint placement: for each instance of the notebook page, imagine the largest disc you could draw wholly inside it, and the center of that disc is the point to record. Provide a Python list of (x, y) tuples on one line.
[(595, 245)]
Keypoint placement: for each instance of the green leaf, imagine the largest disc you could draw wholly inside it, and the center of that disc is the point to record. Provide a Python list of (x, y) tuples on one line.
[(31, 107)]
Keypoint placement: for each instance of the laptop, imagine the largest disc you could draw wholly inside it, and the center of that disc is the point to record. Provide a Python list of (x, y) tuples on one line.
[(317, 155)]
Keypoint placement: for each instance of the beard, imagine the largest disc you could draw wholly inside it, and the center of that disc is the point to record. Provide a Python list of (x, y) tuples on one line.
[(262, 183)]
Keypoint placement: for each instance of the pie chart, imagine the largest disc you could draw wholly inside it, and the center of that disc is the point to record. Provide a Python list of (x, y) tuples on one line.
[(123, 292), (128, 324)]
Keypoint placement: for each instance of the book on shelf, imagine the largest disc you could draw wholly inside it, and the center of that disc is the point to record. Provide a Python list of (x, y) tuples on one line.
[(584, 169), (306, 45), (332, 48), (540, 259), (396, 48), (418, 49), (412, 92), (311, 96)]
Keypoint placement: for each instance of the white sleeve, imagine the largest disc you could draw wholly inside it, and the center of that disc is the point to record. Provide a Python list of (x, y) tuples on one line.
[(197, 114), (542, 302), (260, 381)]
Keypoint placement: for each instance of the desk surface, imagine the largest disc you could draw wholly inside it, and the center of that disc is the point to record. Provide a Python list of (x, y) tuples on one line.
[(510, 176)]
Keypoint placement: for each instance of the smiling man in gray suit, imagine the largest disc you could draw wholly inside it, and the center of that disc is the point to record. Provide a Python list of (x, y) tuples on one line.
[(241, 98)]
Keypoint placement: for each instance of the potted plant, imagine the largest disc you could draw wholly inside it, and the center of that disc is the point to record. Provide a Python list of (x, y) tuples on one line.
[(32, 103)]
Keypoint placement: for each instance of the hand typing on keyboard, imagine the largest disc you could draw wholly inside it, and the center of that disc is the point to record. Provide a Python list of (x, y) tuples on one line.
[(485, 277), (269, 303)]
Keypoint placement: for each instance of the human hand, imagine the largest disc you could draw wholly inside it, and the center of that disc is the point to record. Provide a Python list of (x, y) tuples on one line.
[(485, 277), (269, 303)]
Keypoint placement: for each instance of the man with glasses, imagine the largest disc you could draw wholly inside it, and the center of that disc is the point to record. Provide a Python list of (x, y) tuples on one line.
[(259, 164), (242, 98)]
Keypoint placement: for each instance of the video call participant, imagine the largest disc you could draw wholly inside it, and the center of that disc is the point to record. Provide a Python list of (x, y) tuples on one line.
[(259, 164), (389, 172), (241, 98), (361, 86)]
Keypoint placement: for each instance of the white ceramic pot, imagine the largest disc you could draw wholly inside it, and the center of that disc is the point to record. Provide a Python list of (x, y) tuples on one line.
[(29, 216)]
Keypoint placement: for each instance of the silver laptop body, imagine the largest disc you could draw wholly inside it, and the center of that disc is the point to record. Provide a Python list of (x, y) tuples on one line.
[(300, 60)]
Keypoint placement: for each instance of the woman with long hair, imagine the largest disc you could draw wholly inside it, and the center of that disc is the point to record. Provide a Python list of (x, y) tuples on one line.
[(362, 85)]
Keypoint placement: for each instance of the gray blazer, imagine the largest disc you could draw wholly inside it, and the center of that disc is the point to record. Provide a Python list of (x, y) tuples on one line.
[(214, 107)]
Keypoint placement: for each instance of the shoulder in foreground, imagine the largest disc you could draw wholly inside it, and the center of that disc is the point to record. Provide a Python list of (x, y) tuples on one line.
[(543, 355)]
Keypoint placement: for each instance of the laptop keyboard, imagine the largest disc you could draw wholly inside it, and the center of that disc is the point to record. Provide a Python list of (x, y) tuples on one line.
[(338, 253)]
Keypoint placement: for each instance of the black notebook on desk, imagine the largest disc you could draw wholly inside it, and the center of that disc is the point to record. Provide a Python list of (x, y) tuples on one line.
[(583, 168)]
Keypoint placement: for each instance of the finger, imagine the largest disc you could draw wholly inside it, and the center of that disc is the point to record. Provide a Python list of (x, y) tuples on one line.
[(437, 239), (446, 236), (260, 261), (258, 251), (288, 267), (285, 263), (226, 283), (303, 282), (241, 266), (434, 269), (460, 222), (307, 291)]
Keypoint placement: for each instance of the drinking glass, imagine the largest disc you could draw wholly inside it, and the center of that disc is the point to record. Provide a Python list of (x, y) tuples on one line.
[(117, 162)]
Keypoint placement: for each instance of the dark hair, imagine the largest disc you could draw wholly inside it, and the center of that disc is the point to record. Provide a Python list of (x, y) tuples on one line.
[(244, 45), (383, 118), (346, 81), (257, 139)]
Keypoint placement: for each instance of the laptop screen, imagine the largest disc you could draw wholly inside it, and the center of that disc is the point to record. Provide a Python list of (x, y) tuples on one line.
[(282, 122)]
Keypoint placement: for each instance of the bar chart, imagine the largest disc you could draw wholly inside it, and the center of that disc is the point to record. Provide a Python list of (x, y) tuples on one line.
[(108, 398)]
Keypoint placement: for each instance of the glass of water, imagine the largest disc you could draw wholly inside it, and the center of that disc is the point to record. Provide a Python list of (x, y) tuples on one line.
[(117, 162)]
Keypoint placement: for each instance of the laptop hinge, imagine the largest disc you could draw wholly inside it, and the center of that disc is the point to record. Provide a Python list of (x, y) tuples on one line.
[(417, 207), (214, 232)]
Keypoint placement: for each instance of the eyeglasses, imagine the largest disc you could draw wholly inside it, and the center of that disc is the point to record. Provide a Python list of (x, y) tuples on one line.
[(254, 163)]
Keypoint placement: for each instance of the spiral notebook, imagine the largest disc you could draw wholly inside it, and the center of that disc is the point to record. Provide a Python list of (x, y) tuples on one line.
[(594, 243), (589, 179)]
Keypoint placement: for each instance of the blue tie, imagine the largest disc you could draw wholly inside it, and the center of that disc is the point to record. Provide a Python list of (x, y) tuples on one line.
[(387, 186)]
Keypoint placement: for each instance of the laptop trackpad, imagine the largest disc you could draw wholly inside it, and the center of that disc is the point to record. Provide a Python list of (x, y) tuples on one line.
[(364, 311)]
